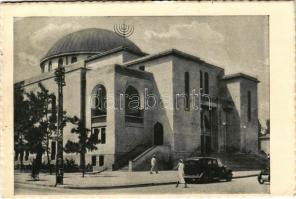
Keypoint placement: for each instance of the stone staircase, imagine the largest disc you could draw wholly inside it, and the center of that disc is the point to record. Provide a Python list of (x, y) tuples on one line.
[(123, 161), (143, 161)]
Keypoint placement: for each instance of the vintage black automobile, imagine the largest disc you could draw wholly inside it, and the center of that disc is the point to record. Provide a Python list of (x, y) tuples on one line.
[(206, 169), (264, 176)]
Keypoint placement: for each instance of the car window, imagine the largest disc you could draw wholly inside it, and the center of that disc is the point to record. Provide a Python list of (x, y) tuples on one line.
[(214, 163), (189, 163), (209, 162), (220, 164)]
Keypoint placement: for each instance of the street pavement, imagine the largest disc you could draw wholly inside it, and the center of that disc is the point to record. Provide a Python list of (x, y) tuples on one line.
[(236, 186), (133, 182)]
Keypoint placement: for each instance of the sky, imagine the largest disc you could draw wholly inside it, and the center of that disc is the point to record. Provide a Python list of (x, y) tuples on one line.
[(235, 43)]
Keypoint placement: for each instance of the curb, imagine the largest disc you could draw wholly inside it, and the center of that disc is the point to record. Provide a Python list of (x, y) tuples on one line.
[(118, 186), (246, 176), (99, 187), (122, 186)]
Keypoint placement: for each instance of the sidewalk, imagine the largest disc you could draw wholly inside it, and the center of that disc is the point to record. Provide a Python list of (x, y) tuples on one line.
[(111, 179)]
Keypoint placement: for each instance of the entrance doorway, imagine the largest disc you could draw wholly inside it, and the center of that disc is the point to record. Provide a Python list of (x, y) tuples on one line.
[(158, 134), (205, 144), (206, 131)]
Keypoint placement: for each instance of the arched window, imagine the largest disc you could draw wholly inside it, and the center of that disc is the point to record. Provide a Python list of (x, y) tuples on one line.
[(187, 96), (49, 66), (133, 112), (42, 68), (206, 83), (73, 59), (99, 101), (60, 63)]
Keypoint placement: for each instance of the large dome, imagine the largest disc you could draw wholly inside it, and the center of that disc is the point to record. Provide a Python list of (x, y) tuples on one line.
[(93, 40)]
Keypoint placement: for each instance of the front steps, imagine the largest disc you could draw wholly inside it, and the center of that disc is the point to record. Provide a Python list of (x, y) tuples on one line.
[(143, 161), (123, 161)]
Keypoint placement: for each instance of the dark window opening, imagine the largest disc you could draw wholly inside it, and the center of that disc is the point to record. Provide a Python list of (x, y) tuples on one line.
[(73, 59), (206, 83), (133, 112), (187, 96), (60, 63), (42, 68), (93, 160), (142, 68), (99, 101), (100, 134), (103, 135), (96, 132), (53, 150), (201, 120), (207, 122), (49, 66), (53, 117), (249, 106), (101, 160), (201, 80)]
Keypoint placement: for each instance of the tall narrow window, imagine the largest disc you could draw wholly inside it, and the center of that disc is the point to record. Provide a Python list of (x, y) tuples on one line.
[(201, 120), (206, 83), (103, 135), (200, 80), (100, 133), (133, 111), (96, 132), (42, 68), (60, 63), (187, 97), (49, 66), (73, 59), (249, 106), (53, 150), (53, 109), (99, 101), (93, 160), (101, 160)]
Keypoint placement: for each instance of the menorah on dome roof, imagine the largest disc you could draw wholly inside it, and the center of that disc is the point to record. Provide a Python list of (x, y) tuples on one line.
[(123, 30)]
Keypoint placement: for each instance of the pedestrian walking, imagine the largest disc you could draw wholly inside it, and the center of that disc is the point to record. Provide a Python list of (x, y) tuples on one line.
[(154, 166), (35, 171), (181, 179)]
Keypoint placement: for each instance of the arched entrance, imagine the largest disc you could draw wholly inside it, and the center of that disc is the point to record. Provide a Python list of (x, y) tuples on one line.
[(158, 134)]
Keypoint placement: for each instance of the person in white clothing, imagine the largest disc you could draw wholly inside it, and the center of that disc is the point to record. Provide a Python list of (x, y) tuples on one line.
[(154, 166), (181, 179)]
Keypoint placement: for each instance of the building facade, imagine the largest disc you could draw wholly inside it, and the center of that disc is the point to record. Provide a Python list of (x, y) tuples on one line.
[(171, 103)]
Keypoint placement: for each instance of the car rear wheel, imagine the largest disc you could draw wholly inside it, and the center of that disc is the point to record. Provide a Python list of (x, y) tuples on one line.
[(229, 177), (260, 180)]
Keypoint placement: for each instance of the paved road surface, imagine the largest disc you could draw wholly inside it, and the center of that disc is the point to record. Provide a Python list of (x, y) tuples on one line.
[(240, 185)]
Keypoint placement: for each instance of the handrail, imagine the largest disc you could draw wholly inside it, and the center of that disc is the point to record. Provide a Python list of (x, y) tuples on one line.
[(124, 158), (144, 153)]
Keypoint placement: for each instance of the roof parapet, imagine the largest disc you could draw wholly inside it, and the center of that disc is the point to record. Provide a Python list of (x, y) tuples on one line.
[(239, 75)]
